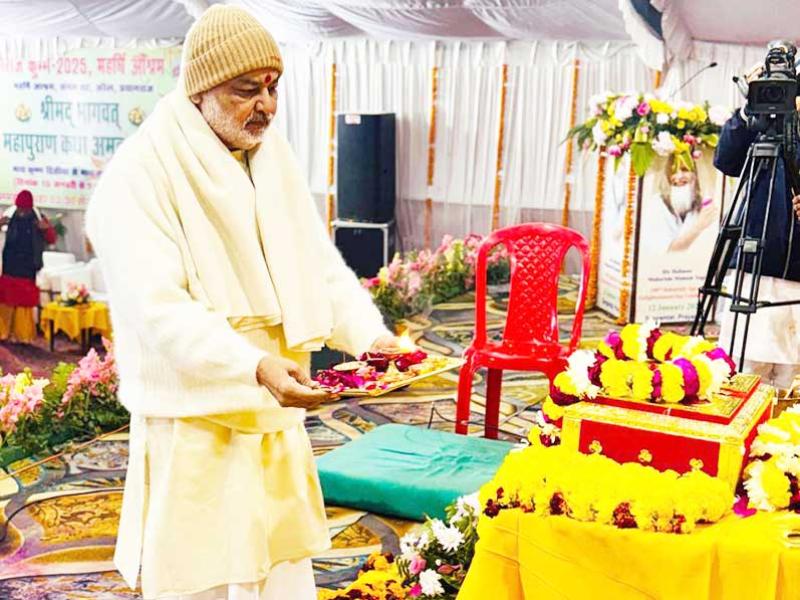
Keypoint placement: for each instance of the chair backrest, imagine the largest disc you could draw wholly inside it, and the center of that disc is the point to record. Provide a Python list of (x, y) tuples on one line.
[(536, 253)]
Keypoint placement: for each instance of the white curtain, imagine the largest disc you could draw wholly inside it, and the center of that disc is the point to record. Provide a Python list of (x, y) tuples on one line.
[(714, 84), (380, 76)]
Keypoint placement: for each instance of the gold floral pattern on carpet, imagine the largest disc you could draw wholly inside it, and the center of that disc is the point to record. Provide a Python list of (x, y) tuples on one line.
[(64, 518)]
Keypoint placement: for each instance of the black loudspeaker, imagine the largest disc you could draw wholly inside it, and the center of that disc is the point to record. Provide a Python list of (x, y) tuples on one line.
[(365, 168), (365, 249)]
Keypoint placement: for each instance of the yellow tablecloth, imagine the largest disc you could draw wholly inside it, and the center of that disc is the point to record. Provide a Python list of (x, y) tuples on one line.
[(73, 319), (520, 556)]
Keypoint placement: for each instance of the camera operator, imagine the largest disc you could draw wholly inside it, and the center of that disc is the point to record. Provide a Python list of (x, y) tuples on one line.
[(773, 346)]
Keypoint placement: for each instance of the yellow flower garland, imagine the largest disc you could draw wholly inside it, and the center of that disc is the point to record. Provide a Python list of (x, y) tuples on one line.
[(643, 363), (558, 481), (771, 479)]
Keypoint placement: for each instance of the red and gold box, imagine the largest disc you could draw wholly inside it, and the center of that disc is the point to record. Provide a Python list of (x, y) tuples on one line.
[(713, 436)]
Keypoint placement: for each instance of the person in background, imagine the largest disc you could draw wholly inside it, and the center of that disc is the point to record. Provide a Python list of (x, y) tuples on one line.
[(772, 349), (27, 235)]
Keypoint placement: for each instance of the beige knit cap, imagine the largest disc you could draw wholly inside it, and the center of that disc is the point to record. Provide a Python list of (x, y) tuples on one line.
[(225, 42)]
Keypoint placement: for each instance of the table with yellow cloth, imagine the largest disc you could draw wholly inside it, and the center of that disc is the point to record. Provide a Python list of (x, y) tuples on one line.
[(520, 556), (77, 322)]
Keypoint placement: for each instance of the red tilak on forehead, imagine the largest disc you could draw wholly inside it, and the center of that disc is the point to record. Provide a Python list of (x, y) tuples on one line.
[(268, 78)]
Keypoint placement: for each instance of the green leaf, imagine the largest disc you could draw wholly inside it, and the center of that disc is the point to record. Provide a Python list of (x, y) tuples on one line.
[(642, 155)]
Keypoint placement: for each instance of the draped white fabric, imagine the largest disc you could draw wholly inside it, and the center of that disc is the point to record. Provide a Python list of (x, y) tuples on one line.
[(124, 20), (294, 20), (685, 23), (543, 19)]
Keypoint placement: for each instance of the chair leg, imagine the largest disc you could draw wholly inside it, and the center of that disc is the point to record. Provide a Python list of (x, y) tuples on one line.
[(494, 382), (464, 398)]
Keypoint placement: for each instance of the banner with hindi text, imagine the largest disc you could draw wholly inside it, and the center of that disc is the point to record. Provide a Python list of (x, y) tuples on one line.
[(63, 118)]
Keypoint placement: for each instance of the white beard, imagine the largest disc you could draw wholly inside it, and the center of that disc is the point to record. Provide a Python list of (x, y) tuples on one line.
[(681, 198), (230, 132)]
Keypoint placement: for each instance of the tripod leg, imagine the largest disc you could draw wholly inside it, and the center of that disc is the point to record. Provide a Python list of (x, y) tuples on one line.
[(728, 236)]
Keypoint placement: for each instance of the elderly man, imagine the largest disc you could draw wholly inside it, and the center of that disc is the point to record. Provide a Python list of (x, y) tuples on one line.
[(221, 280)]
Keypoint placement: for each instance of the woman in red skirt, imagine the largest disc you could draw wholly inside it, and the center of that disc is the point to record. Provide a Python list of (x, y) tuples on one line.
[(27, 235)]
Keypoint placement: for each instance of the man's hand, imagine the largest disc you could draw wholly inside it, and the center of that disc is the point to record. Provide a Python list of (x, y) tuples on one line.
[(796, 205), (4, 221), (289, 384)]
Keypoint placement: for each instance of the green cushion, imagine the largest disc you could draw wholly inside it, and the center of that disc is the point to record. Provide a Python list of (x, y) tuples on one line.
[(406, 471)]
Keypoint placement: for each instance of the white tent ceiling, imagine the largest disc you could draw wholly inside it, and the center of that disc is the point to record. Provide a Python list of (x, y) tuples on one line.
[(684, 22), (293, 20), (681, 22)]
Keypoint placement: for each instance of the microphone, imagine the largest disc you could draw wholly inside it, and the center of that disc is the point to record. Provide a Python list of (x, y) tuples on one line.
[(710, 65)]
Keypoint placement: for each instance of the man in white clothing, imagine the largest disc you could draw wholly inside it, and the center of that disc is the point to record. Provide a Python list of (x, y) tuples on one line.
[(221, 280)]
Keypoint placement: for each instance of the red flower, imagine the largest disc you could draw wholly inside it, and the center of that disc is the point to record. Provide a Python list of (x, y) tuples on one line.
[(558, 504), (623, 517)]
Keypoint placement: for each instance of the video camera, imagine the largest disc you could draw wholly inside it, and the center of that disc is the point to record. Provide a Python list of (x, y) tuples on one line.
[(771, 96)]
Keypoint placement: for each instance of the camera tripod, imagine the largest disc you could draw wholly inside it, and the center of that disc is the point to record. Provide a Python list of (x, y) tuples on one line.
[(762, 156)]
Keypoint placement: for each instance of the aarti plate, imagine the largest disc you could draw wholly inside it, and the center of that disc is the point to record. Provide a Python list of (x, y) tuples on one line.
[(452, 363)]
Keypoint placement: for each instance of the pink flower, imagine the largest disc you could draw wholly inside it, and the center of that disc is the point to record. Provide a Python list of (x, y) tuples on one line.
[(697, 154), (417, 565), (615, 150), (643, 109), (372, 282), (689, 139), (415, 591)]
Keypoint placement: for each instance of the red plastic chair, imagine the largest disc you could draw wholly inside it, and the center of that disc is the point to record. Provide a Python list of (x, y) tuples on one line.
[(530, 339)]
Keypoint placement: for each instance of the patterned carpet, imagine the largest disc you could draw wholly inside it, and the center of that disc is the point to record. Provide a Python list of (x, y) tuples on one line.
[(61, 539)]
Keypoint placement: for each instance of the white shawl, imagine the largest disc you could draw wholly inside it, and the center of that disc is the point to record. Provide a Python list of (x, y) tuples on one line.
[(227, 220)]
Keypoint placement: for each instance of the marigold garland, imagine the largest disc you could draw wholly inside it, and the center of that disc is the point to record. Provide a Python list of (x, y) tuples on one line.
[(625, 271), (772, 479), (597, 221), (573, 112), (559, 481), (428, 227), (501, 131), (330, 207), (644, 363)]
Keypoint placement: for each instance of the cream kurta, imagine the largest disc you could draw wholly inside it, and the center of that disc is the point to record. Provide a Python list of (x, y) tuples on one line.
[(207, 505)]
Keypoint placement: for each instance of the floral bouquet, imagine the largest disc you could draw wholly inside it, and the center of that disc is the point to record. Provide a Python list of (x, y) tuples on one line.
[(21, 398), (433, 563), (76, 294), (435, 559), (558, 481), (647, 126), (772, 479)]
